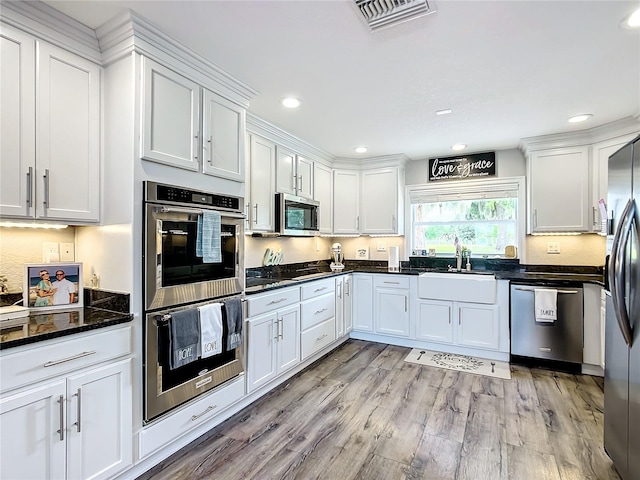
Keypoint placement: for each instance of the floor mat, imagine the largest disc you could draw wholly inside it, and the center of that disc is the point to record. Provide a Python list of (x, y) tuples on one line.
[(461, 363)]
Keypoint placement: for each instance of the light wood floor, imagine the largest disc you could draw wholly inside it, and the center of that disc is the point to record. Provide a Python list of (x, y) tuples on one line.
[(364, 413)]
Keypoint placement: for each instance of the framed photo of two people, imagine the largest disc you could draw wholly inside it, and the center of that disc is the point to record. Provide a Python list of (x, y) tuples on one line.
[(53, 286)]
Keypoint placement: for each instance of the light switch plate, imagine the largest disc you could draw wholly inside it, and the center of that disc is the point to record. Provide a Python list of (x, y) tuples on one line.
[(553, 247), (67, 252), (50, 252), (382, 246)]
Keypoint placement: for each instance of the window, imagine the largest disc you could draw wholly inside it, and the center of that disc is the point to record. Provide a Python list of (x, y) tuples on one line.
[(484, 216)]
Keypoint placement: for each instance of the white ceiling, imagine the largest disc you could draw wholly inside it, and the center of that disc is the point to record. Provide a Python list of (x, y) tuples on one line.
[(508, 69)]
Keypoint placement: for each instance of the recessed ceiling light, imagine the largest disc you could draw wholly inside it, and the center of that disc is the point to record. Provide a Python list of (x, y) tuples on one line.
[(360, 149), (446, 111), (291, 102), (632, 21), (458, 146), (580, 118)]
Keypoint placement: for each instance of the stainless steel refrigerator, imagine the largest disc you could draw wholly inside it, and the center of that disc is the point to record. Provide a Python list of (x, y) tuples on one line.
[(622, 327)]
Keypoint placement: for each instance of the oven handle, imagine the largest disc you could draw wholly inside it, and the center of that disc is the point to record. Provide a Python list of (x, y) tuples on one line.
[(198, 211)]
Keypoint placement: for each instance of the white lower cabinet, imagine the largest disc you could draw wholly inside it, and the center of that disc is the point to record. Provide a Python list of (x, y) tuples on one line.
[(318, 316), (467, 324), (594, 315), (273, 345), (344, 312), (78, 427), (391, 305), (363, 302)]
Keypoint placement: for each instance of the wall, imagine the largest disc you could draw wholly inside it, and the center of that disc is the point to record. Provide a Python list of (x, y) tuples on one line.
[(574, 250), (350, 244), (294, 249), (24, 245)]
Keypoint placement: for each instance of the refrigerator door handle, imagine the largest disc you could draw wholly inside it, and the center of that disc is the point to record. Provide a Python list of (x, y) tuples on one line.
[(617, 287)]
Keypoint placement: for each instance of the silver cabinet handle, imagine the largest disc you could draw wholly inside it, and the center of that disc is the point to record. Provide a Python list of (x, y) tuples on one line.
[(294, 184), (339, 291), (272, 302), (276, 329), (357, 222), (405, 304), (78, 410), (393, 222), (346, 287), (393, 283), (29, 191), (255, 219), (320, 311), (595, 215), (46, 188), (321, 337), (61, 431), (319, 289), (210, 142), (209, 408), (535, 217), (68, 359), (247, 209), (300, 187), (281, 328), (459, 315), (197, 138)]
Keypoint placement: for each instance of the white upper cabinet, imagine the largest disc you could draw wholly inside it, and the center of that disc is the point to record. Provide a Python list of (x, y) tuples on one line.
[(558, 181), (380, 190), (50, 136), (346, 202), (174, 133), (323, 193), (171, 117), (223, 125), (260, 199), (600, 153), (294, 173)]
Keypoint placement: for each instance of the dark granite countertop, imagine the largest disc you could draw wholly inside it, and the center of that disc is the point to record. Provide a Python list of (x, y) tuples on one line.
[(112, 309), (264, 279)]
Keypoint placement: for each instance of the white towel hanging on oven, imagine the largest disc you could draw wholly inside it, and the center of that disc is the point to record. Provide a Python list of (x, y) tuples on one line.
[(210, 329), (208, 243), (546, 305)]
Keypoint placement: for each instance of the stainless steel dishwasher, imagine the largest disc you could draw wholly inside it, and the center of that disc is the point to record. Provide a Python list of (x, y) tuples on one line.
[(560, 340)]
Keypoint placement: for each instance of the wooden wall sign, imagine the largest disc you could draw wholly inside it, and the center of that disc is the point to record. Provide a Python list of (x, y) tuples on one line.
[(459, 168)]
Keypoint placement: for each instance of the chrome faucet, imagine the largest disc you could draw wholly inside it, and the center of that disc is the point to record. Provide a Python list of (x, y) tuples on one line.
[(458, 257)]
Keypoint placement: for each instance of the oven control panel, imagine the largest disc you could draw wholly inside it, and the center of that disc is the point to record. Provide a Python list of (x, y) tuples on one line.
[(184, 196)]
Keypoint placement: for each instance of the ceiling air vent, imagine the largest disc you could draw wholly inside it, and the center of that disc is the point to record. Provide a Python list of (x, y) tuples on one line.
[(384, 13)]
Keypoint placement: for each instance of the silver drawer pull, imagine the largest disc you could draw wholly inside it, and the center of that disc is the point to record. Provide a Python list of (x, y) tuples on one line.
[(545, 349), (209, 408), (276, 301), (320, 338), (61, 431), (394, 283), (320, 311), (68, 359), (79, 410), (320, 289)]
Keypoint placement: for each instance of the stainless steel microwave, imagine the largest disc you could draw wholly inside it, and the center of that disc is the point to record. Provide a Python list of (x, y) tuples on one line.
[(296, 216)]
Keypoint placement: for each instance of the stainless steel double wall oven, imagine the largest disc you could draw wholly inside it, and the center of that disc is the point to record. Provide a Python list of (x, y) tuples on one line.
[(176, 278)]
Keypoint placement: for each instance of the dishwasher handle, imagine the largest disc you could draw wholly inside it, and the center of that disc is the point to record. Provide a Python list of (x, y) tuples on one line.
[(532, 289)]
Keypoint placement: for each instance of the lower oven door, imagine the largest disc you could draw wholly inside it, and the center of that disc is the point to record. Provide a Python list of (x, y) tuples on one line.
[(174, 273), (165, 388)]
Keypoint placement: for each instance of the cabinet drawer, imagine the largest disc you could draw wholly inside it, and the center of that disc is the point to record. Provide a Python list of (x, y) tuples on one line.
[(317, 310), (318, 337), (177, 424), (320, 287), (391, 281), (46, 360), (268, 302)]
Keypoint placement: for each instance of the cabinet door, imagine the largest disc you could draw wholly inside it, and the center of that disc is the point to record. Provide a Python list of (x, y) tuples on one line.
[(262, 172), (262, 336), (348, 305), (99, 423), (288, 347), (363, 303), (478, 325), (592, 299), (340, 302), (286, 179), (346, 201), (323, 193), (392, 311), (17, 117), (379, 201), (223, 127), (304, 173), (435, 321), (171, 117), (559, 177), (68, 136), (33, 434)]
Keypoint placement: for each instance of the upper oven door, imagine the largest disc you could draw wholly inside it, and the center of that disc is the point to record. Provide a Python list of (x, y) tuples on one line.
[(174, 274)]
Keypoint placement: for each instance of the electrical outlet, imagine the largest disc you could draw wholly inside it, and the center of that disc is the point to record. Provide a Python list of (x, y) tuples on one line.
[(50, 252), (382, 246), (553, 247), (67, 253)]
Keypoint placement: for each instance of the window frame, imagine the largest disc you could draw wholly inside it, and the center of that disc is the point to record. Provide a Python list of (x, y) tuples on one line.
[(449, 190)]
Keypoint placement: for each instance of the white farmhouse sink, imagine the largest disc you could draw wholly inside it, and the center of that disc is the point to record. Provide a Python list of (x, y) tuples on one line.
[(457, 287)]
